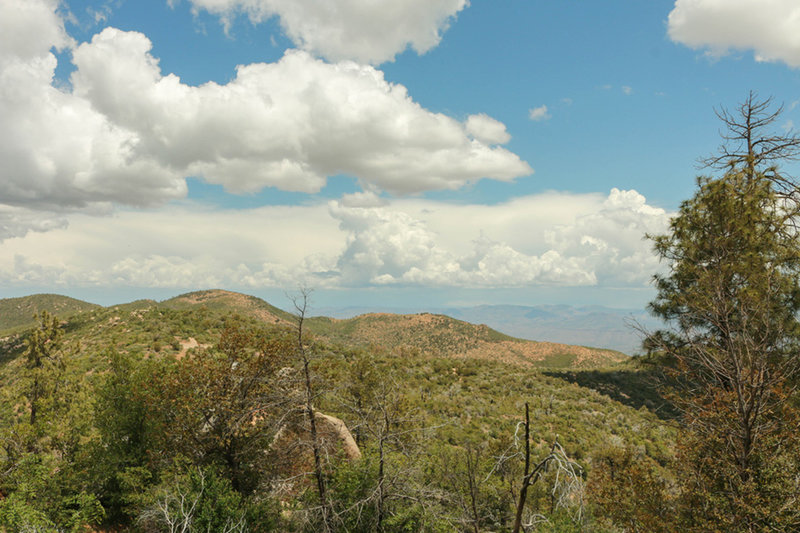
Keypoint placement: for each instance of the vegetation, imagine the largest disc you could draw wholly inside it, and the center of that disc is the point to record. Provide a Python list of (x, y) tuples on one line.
[(18, 314), (164, 417)]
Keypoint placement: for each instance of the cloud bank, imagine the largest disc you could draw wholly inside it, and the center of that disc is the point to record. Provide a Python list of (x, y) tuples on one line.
[(552, 239), (771, 28)]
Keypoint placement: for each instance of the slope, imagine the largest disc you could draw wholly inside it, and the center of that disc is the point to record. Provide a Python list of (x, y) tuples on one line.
[(440, 335), (18, 313)]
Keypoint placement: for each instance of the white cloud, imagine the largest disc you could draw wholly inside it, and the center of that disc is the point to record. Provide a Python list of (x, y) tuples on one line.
[(363, 199), (29, 29), (611, 238), (539, 113), (771, 28), (57, 150), (288, 124), (367, 31), (552, 239), (486, 129), (627, 90), (126, 134)]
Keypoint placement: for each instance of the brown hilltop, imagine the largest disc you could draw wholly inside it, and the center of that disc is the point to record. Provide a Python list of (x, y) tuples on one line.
[(219, 299), (440, 335)]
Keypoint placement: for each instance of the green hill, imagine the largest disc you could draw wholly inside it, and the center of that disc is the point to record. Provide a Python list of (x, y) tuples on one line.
[(18, 313), (425, 333)]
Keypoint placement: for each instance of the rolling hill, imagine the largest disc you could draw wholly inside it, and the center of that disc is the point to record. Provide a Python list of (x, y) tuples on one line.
[(18, 313), (423, 333)]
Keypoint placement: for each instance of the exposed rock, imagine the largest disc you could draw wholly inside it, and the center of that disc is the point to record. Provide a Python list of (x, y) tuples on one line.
[(331, 428), (292, 447)]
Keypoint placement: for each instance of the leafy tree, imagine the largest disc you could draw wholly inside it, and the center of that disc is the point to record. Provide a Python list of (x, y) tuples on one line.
[(631, 490), (223, 405), (732, 294), (120, 457)]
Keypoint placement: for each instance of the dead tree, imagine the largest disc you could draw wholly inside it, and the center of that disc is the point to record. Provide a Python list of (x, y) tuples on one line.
[(751, 145), (301, 308), (568, 479)]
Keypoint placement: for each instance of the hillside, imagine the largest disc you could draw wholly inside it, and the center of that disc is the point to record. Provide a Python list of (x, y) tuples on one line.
[(595, 325), (152, 376), (424, 333), (233, 302), (18, 313), (590, 325), (440, 335)]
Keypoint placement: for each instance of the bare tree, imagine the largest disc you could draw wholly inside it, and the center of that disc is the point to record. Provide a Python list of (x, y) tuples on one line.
[(301, 304), (568, 483), (751, 145), (176, 509)]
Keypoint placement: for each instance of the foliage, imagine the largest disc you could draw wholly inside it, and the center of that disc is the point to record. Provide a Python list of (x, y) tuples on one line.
[(43, 455), (129, 426), (193, 499), (630, 489)]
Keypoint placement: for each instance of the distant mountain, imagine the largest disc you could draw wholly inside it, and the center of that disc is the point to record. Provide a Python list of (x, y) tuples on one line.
[(591, 326), (18, 313), (599, 326)]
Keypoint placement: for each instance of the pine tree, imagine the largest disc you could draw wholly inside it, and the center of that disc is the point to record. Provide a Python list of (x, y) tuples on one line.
[(732, 294)]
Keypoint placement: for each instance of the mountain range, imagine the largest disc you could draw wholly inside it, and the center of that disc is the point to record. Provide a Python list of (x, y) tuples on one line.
[(435, 334)]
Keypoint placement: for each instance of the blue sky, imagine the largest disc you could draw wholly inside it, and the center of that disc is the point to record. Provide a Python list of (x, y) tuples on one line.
[(424, 153)]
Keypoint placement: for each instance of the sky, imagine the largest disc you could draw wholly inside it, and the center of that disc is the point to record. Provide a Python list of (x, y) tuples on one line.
[(420, 153)]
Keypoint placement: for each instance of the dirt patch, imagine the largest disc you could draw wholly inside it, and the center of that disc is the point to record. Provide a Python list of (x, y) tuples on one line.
[(187, 345)]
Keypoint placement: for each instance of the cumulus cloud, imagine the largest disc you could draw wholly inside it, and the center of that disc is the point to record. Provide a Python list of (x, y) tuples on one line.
[(29, 29), (388, 247), (57, 150), (486, 129), (771, 28), (127, 134), (551, 239), (610, 239), (367, 31), (538, 114), (288, 124)]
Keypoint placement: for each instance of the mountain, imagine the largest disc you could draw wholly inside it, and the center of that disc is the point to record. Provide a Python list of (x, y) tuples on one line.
[(426, 333), (442, 386), (605, 327), (18, 313), (440, 335), (423, 333), (599, 326), (232, 302)]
